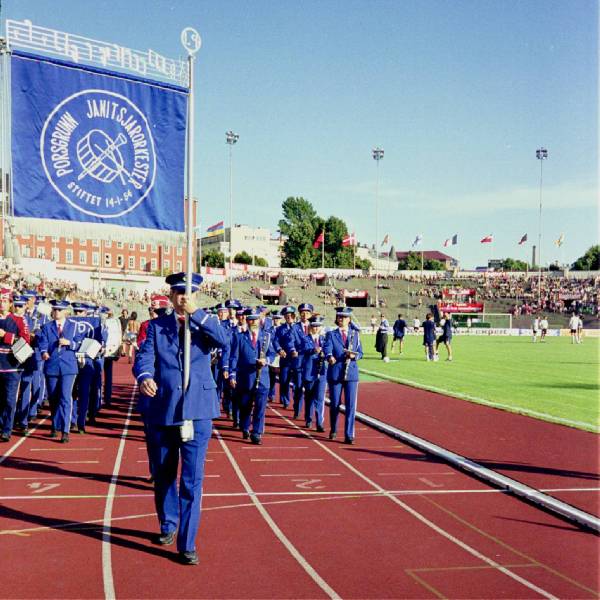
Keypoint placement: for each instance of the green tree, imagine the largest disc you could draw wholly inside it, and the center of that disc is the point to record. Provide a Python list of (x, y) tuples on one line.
[(299, 225), (411, 262), (431, 264), (242, 258), (213, 258), (259, 261), (590, 261), (513, 264)]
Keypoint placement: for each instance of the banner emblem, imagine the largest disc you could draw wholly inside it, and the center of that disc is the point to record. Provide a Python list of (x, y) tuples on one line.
[(98, 153)]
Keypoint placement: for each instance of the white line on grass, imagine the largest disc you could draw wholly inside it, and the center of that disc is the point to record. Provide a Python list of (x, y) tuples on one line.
[(515, 409), (425, 520), (331, 593), (107, 574)]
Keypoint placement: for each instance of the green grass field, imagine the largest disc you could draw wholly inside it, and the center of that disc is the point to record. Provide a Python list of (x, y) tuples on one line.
[(555, 381)]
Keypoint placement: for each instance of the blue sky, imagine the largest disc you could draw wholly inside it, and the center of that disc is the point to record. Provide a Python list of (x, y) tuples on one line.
[(458, 93)]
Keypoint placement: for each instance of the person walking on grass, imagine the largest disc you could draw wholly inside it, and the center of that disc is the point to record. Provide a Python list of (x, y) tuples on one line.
[(399, 333), (429, 337), (573, 326), (381, 338), (543, 328), (535, 328), (446, 337)]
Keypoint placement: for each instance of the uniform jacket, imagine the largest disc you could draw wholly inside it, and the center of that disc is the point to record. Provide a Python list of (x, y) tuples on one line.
[(335, 347), (62, 359), (161, 358), (428, 332), (311, 359), (7, 361), (243, 359), (290, 338)]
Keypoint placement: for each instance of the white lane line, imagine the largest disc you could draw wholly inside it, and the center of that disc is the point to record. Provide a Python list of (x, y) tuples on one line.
[(508, 407), (63, 449), (77, 462), (331, 593), (286, 460), (254, 447), (17, 444), (302, 475), (107, 574), (426, 521), (412, 474)]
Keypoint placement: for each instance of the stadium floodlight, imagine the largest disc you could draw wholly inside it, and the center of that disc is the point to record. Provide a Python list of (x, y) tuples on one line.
[(231, 139), (377, 156), (541, 154)]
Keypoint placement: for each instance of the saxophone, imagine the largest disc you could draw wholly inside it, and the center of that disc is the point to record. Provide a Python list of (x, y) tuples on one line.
[(262, 355), (348, 359)]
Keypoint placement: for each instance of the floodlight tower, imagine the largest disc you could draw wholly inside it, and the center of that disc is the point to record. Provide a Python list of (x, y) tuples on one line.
[(377, 156), (231, 139), (541, 154)]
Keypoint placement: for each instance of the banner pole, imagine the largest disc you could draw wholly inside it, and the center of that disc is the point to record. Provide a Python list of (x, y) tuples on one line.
[(191, 41)]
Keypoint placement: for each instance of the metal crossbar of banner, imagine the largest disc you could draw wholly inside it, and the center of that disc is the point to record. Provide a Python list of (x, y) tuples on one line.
[(79, 49)]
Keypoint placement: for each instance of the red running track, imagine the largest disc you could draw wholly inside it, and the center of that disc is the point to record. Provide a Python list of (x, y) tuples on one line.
[(298, 517)]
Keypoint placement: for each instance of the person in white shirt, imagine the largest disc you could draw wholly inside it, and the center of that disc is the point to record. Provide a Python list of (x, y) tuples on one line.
[(535, 326), (573, 326), (544, 328), (416, 325), (579, 330)]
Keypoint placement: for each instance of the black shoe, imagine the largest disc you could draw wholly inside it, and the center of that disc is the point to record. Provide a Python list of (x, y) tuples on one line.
[(81, 430), (166, 539), (189, 558), (332, 435), (26, 432), (228, 414), (5, 437), (320, 429), (245, 434), (236, 424), (92, 421), (296, 416), (349, 440), (53, 433), (255, 439), (64, 439), (18, 427), (73, 428), (308, 425)]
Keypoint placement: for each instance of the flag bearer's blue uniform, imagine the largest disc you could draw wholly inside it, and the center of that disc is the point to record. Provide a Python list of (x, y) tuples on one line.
[(314, 375), (33, 382), (342, 375), (160, 359), (60, 366), (274, 368), (248, 346), (286, 339), (302, 331), (101, 336)]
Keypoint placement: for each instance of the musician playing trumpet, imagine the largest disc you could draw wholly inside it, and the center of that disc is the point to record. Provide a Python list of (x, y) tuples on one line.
[(342, 350)]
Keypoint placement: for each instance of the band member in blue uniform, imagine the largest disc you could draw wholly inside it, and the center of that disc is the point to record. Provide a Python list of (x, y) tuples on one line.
[(305, 310), (342, 349), (33, 379), (179, 422), (276, 319), (22, 419), (314, 374), (59, 341), (221, 368), (10, 369), (286, 340), (251, 352)]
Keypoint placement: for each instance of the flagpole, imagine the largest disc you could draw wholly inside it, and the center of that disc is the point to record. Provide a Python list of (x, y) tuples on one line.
[(323, 250), (377, 155), (191, 41)]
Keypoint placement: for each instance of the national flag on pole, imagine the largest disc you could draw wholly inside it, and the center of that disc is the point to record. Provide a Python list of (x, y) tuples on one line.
[(215, 229), (523, 240), (386, 239), (455, 239), (488, 239), (447, 242), (561, 240), (418, 240), (319, 240), (349, 240)]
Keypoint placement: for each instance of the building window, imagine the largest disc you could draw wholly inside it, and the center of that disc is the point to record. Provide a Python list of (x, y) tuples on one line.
[(27, 251), (154, 248), (69, 255), (143, 247), (179, 250), (41, 238), (142, 263), (120, 245), (153, 265), (167, 264), (55, 238), (41, 252), (96, 259), (108, 244), (55, 254), (167, 248), (132, 262), (82, 242), (107, 260), (82, 257), (69, 240), (96, 243), (131, 246), (178, 265), (120, 261)]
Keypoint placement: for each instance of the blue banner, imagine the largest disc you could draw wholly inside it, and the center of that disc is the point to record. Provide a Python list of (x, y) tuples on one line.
[(95, 146)]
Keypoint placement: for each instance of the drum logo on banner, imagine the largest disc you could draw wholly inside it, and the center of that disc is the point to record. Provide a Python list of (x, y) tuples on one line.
[(98, 153)]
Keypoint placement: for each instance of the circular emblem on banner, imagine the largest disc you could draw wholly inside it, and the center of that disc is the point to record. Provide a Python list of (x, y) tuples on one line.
[(98, 153)]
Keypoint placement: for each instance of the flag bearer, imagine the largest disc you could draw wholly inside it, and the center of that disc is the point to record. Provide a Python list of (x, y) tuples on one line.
[(179, 422), (59, 341), (342, 349)]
